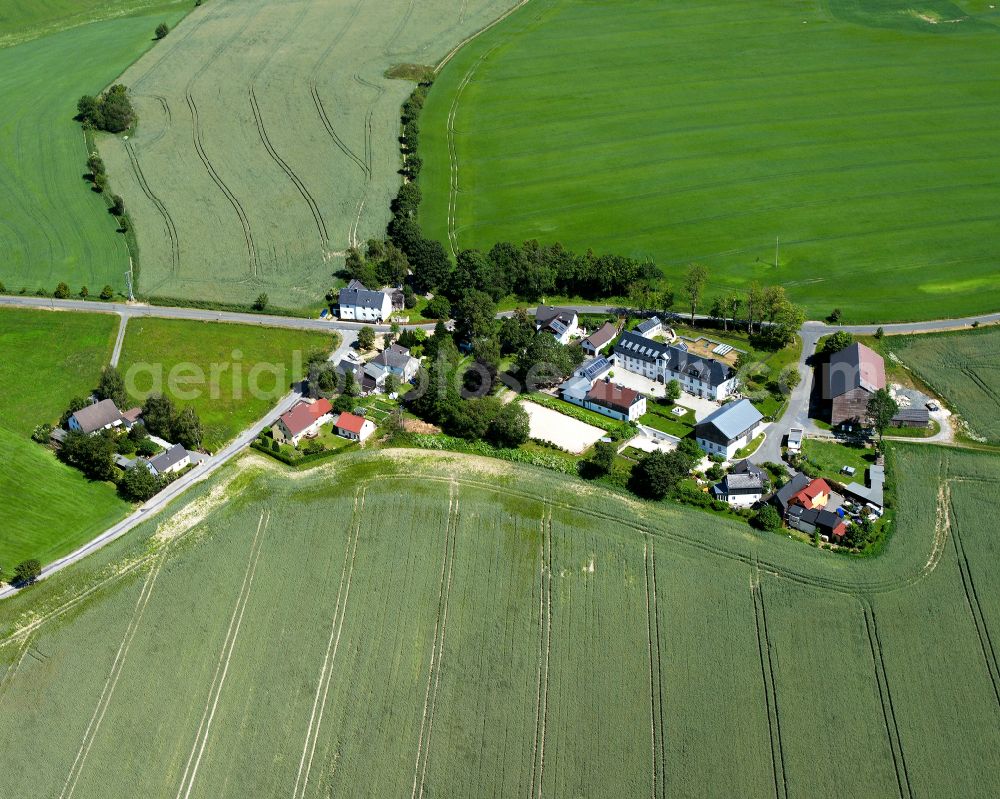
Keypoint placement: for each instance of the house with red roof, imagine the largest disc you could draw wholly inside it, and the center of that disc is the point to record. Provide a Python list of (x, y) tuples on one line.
[(813, 496), (304, 420), (356, 428), (618, 402)]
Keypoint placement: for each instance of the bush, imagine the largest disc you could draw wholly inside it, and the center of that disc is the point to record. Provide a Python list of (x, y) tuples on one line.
[(162, 30), (766, 518), (438, 308), (61, 292), (41, 433), (111, 111), (146, 448), (107, 293), (27, 571), (117, 205), (657, 474), (138, 484), (261, 302)]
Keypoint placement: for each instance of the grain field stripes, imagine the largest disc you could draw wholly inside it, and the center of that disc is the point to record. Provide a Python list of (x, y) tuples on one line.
[(544, 653), (333, 644), (107, 694), (14, 667), (299, 185), (975, 608), (437, 647), (770, 687), (222, 667), (175, 245), (658, 727), (885, 697)]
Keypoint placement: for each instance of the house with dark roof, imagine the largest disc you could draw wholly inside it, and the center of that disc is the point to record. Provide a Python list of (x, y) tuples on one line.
[(873, 491), (562, 323), (816, 520), (911, 417), (305, 419), (728, 429), (394, 360), (94, 418), (851, 377), (650, 327), (360, 304), (698, 376), (743, 486), (173, 460), (354, 427), (596, 342), (783, 496), (618, 402)]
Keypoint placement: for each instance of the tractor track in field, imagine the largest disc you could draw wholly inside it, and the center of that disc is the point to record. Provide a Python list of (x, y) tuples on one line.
[(15, 666), (168, 221), (544, 657), (659, 669), (240, 211), (398, 30), (332, 646), (107, 693), (885, 699), (225, 657), (770, 684), (453, 187), (317, 215), (656, 725), (975, 607), (165, 105), (437, 648), (175, 44), (318, 100)]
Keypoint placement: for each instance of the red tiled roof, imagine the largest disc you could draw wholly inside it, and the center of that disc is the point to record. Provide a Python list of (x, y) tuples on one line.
[(807, 495), (132, 414), (613, 395), (304, 415), (350, 423)]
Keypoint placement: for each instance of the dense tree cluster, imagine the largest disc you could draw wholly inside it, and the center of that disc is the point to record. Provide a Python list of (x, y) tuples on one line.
[(164, 420), (111, 111), (381, 263), (92, 455)]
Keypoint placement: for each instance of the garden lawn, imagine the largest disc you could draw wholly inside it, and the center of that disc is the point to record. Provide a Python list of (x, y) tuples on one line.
[(231, 374), (829, 456), (858, 137), (48, 509), (54, 228)]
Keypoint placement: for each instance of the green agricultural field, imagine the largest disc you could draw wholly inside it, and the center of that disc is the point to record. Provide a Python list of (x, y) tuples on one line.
[(52, 226), (534, 640), (964, 368), (860, 133), (48, 509), (268, 140), (253, 368), (22, 20)]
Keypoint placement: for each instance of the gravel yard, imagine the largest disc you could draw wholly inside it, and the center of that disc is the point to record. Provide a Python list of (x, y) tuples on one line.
[(564, 432)]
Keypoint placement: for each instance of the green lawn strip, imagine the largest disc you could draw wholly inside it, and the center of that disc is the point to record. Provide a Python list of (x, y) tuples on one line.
[(660, 418), (255, 367), (749, 449), (828, 457)]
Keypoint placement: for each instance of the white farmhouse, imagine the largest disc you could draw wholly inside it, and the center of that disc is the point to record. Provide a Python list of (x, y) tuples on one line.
[(562, 323), (101, 415), (728, 429), (698, 376), (360, 304)]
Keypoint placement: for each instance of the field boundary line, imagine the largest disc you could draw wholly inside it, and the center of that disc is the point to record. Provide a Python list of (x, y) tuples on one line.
[(333, 645), (885, 699), (12, 669), (443, 586), (652, 606), (111, 683), (652, 691), (471, 38), (770, 688), (140, 176), (544, 653), (225, 656)]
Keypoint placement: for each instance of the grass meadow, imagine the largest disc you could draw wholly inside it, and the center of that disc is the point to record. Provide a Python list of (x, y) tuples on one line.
[(859, 134), (964, 368), (54, 228), (446, 625), (48, 509), (255, 368), (268, 140), (23, 20)]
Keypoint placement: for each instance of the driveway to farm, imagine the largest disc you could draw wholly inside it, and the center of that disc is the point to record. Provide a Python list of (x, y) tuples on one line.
[(561, 430)]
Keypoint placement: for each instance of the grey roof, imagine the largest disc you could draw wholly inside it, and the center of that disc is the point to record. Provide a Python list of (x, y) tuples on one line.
[(171, 457), (357, 295), (594, 368), (872, 492), (576, 385), (675, 357), (743, 481), (396, 357), (790, 489), (97, 416), (745, 467), (912, 415), (649, 324), (544, 314), (853, 367), (733, 418)]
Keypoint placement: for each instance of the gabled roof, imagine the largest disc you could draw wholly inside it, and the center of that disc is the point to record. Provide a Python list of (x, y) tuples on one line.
[(356, 295), (745, 467), (919, 415), (545, 315), (612, 395), (742, 481), (807, 495), (650, 324), (855, 367), (733, 418), (350, 422), (594, 368), (675, 357), (171, 457), (97, 416), (395, 357), (602, 335), (790, 489), (304, 415), (132, 415)]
